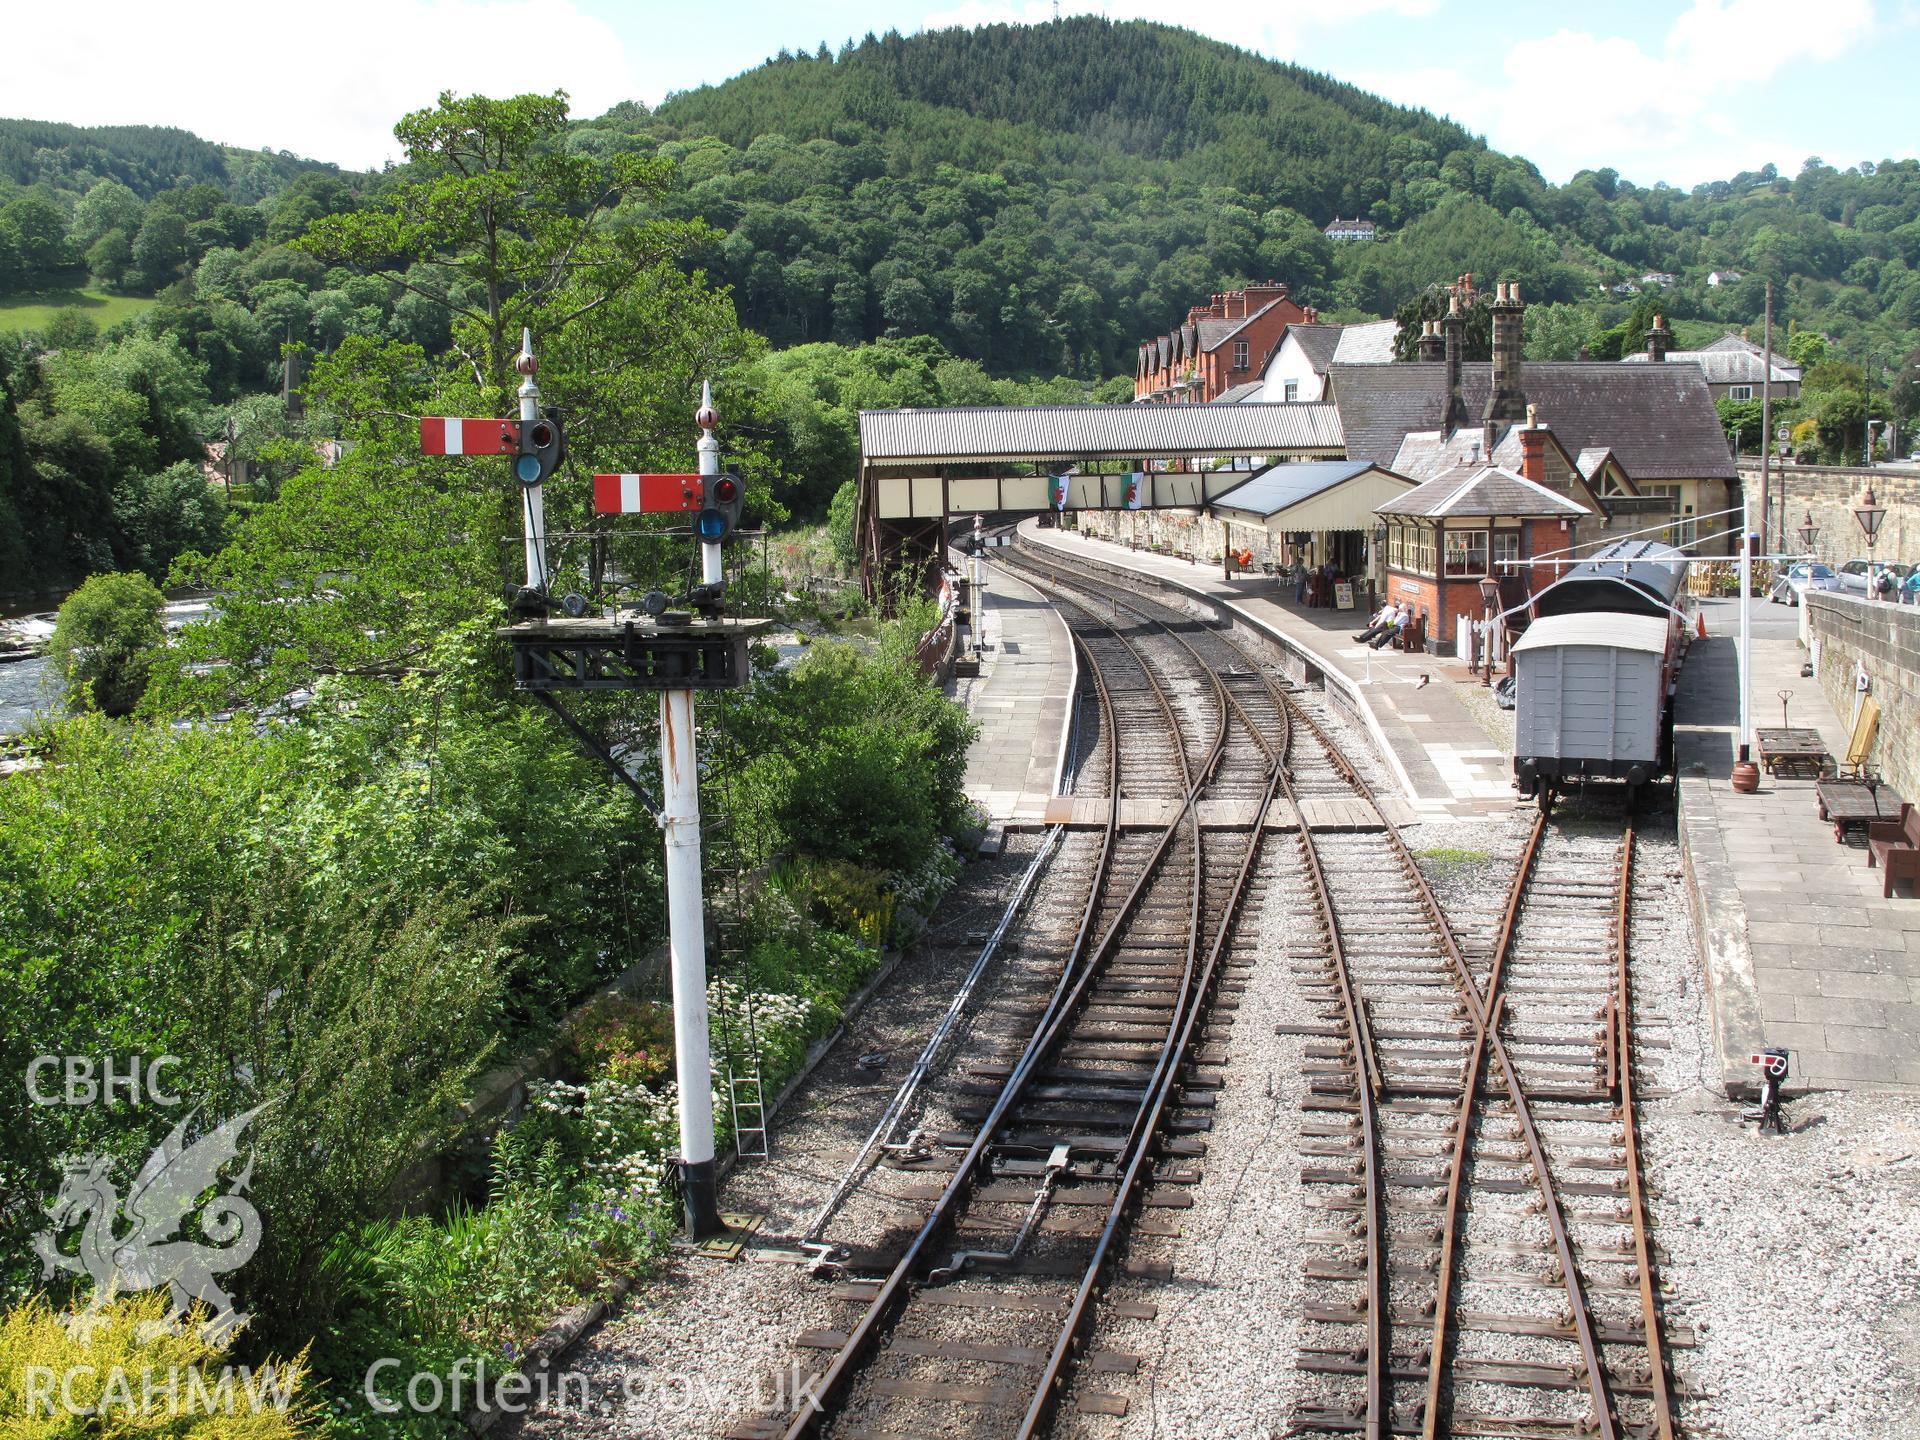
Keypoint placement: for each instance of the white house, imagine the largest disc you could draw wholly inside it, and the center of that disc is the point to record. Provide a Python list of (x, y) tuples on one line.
[(1717, 278), (1298, 369), (1354, 229)]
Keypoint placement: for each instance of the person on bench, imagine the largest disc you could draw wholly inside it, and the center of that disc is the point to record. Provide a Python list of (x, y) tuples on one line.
[(1382, 624), (1402, 617)]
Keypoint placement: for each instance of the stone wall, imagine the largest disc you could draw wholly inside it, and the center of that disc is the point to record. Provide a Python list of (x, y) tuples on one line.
[(1831, 493), (1884, 639)]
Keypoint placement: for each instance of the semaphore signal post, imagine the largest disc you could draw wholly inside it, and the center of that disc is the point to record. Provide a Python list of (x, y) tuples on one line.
[(674, 652)]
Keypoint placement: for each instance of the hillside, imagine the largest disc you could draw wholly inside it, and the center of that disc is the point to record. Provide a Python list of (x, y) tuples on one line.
[(1041, 197), (145, 158)]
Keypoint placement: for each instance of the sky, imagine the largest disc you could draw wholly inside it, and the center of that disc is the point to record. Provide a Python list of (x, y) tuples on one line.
[(1682, 91)]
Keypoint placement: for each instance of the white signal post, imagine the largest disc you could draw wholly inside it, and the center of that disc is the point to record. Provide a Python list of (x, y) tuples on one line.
[(686, 906), (532, 503), (709, 450)]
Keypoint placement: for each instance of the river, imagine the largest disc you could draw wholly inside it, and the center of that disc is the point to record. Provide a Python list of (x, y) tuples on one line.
[(29, 688)]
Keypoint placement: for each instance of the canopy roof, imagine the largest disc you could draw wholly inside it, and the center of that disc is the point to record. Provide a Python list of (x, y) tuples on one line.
[(987, 433)]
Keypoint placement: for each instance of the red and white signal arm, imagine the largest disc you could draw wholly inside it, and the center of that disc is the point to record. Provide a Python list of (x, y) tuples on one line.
[(645, 494), (1774, 1063), (453, 435)]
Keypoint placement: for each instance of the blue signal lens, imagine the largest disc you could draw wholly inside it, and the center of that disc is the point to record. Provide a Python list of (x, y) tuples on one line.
[(711, 525), (526, 469)]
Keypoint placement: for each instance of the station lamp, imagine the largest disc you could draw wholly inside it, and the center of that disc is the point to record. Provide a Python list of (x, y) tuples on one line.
[(1869, 512), (1809, 532)]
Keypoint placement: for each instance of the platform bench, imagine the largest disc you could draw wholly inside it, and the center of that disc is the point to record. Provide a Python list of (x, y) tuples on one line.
[(1895, 847)]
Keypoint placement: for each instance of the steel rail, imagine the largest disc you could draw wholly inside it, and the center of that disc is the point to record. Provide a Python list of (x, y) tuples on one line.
[(1368, 1085), (1439, 1346), (1486, 1037), (1629, 1127), (1480, 1013), (829, 1392), (1196, 993)]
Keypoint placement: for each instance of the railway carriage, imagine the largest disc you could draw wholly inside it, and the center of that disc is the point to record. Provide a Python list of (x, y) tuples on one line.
[(1595, 672)]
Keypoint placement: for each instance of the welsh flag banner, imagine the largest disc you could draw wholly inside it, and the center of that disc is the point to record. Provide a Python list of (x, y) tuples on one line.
[(1136, 485), (1059, 487)]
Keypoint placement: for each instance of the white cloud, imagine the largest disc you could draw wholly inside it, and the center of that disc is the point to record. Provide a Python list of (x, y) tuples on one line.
[(328, 84), (1574, 100)]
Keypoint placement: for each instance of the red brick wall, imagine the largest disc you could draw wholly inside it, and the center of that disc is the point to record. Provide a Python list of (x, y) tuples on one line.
[(1214, 368), (1543, 538)]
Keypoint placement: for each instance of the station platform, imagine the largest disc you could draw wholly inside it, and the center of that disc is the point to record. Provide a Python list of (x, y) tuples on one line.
[(1022, 701), (1449, 747), (1801, 950)]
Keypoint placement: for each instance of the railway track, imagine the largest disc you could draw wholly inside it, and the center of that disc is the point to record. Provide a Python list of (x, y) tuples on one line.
[(1479, 1141), (982, 1315), (1471, 1140)]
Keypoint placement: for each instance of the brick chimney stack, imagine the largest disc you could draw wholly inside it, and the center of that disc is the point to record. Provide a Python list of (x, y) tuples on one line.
[(1533, 447), (1432, 344), (1453, 333), (1236, 303), (1506, 400), (1659, 340)]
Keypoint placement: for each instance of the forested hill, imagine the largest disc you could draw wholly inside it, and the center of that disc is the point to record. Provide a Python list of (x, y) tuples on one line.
[(1084, 96), (145, 158), (1042, 197)]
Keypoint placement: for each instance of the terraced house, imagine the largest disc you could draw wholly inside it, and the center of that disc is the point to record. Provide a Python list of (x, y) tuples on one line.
[(1220, 345)]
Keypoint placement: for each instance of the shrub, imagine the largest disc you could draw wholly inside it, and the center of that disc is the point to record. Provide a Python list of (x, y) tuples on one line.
[(90, 1354), (105, 639), (627, 1040)]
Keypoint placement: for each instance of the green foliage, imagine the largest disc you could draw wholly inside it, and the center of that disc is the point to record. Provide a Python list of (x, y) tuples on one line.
[(104, 641), (852, 757), (629, 1041), (129, 1338)]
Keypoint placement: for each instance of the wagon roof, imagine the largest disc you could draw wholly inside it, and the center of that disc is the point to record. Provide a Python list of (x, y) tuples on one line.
[(1607, 628)]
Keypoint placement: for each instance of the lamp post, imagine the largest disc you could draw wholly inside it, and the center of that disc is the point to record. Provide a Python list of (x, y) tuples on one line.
[(1490, 603), (1809, 532), (1870, 513)]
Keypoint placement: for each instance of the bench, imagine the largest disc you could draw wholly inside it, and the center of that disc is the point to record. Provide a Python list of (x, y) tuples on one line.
[(1895, 847), (1413, 636)]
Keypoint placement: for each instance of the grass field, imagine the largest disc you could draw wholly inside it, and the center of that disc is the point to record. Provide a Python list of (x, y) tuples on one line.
[(33, 311)]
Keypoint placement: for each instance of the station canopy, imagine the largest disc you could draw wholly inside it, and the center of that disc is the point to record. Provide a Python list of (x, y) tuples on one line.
[(1330, 495), (928, 464)]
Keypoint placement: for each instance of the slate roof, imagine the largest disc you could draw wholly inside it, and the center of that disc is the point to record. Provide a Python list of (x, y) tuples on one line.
[(1244, 392), (1482, 490), (1728, 361), (1370, 344), (1318, 343), (1589, 460), (1281, 486), (1658, 420)]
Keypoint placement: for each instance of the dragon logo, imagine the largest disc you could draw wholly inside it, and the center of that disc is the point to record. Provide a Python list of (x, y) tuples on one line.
[(152, 1246)]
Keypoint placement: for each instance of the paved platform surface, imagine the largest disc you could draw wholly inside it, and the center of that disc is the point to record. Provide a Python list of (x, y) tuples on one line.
[(1801, 949), (1020, 700), (1437, 727)]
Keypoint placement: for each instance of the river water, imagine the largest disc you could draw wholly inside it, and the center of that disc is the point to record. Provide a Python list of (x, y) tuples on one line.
[(30, 688)]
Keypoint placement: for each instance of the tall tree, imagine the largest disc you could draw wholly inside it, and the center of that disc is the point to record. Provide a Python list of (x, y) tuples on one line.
[(494, 221)]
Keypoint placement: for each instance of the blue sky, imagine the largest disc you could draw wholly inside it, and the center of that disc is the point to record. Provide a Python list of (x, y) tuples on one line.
[(1683, 91)]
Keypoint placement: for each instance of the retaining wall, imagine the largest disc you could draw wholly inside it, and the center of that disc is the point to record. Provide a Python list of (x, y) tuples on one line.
[(1830, 492), (1852, 634)]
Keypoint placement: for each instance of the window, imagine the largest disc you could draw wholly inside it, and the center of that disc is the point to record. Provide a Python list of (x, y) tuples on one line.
[(1467, 553), (1396, 546), (1419, 550), (1506, 551), (1293, 390), (1740, 392), (1240, 355)]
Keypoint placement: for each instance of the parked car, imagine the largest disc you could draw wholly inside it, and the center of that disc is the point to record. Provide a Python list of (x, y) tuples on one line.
[(1853, 575), (1800, 577)]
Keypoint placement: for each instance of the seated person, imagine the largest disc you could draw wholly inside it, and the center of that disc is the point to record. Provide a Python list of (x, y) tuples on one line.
[(1402, 617), (1380, 624)]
